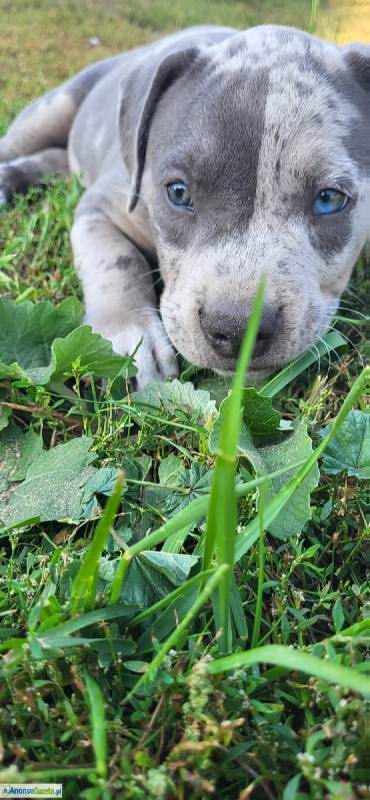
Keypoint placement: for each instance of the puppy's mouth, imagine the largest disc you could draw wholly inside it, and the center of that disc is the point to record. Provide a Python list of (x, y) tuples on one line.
[(254, 368), (213, 342), (254, 377)]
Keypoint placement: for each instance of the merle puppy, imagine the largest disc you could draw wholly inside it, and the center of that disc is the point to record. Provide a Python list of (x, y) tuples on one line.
[(223, 156)]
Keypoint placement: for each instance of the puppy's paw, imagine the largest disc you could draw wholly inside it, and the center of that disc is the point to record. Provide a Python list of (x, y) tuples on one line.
[(5, 186), (155, 357), (12, 180)]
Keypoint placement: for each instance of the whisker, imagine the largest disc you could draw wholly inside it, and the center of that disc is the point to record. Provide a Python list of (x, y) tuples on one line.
[(328, 352), (354, 312), (143, 308), (157, 281), (351, 292), (314, 347), (332, 350), (352, 344), (150, 272), (314, 351)]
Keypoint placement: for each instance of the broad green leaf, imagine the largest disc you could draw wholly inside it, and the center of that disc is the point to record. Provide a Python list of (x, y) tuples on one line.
[(219, 386), (176, 396), (136, 666), (102, 481), (172, 614), (259, 419), (193, 483), (17, 451), (291, 450), (169, 470), (70, 457), (170, 599), (136, 469), (58, 483), (291, 789), (54, 484), (349, 450), (27, 331), (151, 576), (338, 790), (40, 342), (276, 505), (178, 485), (95, 356), (338, 615), (258, 413), (5, 414)]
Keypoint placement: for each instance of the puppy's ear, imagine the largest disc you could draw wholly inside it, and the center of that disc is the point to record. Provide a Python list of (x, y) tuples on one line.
[(357, 57), (141, 92)]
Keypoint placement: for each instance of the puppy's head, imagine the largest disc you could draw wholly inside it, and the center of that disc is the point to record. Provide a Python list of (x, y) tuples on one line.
[(253, 158)]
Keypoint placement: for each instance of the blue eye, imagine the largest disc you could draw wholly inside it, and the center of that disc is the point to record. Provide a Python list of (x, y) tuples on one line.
[(329, 201), (179, 194)]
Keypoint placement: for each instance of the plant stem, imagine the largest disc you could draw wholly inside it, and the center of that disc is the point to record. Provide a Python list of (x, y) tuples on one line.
[(261, 570)]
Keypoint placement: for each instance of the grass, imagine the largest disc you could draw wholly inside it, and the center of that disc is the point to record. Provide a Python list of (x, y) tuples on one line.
[(163, 648)]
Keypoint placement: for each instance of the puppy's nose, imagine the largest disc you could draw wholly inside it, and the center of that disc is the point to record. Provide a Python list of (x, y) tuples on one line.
[(224, 332)]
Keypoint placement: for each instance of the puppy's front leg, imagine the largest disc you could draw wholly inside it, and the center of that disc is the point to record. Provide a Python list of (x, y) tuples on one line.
[(119, 294)]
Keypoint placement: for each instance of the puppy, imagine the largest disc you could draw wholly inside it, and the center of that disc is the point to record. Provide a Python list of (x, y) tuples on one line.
[(220, 156)]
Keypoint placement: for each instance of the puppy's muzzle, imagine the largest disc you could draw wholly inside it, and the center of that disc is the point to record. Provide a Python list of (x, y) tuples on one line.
[(224, 331)]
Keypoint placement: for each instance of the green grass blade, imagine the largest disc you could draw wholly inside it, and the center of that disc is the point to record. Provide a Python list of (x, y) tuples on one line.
[(64, 642), (84, 585), (82, 621), (98, 726), (174, 543), (118, 579), (330, 342), (172, 640), (290, 659), (356, 633), (355, 630), (222, 512), (44, 774), (237, 611), (354, 321), (225, 467), (315, 5), (261, 569)]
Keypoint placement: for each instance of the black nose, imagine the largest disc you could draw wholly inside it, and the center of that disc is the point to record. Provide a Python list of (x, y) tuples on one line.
[(225, 331)]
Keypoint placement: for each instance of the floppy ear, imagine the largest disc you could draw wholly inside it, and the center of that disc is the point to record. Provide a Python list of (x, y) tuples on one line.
[(140, 94), (357, 57)]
